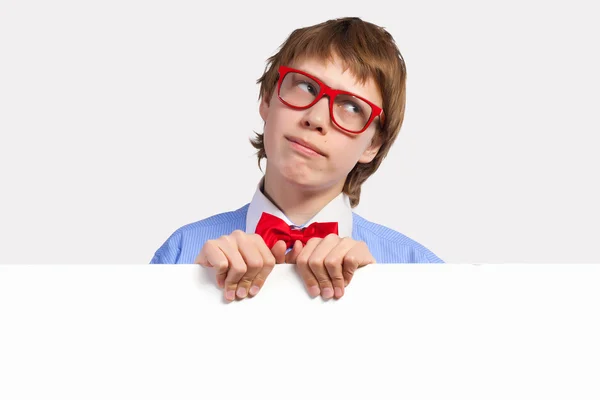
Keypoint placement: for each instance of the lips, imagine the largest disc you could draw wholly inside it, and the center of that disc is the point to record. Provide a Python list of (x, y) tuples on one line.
[(306, 144)]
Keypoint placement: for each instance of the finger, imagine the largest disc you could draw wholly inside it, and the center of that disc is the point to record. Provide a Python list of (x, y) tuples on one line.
[(310, 282), (357, 257), (309, 279), (290, 258), (237, 267), (316, 262), (278, 250), (333, 263), (212, 256), (248, 248), (268, 263)]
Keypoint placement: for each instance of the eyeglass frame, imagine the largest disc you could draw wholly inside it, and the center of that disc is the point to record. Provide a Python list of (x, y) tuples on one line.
[(325, 90)]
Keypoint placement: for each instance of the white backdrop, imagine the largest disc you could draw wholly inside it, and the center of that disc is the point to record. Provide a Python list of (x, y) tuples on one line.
[(121, 121)]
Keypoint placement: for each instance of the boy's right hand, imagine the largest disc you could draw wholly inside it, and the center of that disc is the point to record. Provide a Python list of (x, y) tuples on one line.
[(242, 262)]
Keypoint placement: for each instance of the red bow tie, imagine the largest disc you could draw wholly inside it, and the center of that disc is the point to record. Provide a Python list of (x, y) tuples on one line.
[(273, 229)]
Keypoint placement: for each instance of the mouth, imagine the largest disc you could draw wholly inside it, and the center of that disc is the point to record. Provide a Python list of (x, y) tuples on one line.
[(305, 147)]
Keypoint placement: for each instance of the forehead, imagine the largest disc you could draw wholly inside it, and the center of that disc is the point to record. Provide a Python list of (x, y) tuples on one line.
[(336, 74)]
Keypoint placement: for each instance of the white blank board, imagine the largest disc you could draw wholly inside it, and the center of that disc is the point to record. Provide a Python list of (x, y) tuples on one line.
[(410, 331)]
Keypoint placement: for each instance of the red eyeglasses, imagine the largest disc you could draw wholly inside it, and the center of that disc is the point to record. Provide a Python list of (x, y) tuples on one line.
[(349, 112)]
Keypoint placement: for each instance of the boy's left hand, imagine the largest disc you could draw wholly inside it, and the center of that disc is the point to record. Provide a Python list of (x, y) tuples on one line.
[(327, 265)]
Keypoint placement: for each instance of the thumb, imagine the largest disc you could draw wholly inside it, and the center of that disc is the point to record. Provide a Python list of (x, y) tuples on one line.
[(290, 258), (202, 259), (278, 251)]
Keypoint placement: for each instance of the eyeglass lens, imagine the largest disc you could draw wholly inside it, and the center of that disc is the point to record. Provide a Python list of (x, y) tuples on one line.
[(350, 112)]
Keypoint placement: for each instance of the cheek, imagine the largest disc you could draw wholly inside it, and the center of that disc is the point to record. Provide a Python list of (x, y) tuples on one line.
[(277, 124), (268, 142), (271, 138), (349, 151)]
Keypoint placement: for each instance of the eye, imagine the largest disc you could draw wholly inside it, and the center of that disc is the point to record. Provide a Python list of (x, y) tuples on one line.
[(307, 87), (352, 107)]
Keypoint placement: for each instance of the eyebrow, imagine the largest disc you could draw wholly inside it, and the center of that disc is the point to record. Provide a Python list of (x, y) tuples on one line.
[(334, 87)]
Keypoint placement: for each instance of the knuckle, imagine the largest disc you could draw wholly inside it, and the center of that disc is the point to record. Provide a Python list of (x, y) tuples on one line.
[(313, 240), (230, 285), (315, 262), (239, 269), (323, 282), (351, 260), (349, 240), (254, 263), (269, 262), (338, 281), (245, 282), (332, 261), (237, 234), (224, 239), (302, 260), (310, 281), (331, 236), (258, 281)]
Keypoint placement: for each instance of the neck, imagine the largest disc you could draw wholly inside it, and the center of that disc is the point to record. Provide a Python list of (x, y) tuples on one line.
[(295, 201)]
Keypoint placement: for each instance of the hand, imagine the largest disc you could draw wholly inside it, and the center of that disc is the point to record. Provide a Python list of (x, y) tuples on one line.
[(327, 265), (242, 262)]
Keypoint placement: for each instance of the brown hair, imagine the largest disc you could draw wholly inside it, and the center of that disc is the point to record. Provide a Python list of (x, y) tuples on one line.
[(369, 51)]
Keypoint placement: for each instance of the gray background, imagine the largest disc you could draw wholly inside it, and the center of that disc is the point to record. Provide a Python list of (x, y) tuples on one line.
[(121, 121)]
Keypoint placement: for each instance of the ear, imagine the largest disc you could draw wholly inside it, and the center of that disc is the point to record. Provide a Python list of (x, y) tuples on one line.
[(263, 109), (370, 152)]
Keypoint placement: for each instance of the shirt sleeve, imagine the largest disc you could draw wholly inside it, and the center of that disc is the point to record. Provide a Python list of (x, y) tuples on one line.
[(427, 257), (170, 251)]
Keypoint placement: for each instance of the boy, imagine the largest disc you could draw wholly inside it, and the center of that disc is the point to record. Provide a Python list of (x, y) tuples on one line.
[(332, 101)]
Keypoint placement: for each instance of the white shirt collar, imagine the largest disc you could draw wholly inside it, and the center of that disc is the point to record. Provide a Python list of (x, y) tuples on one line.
[(337, 210)]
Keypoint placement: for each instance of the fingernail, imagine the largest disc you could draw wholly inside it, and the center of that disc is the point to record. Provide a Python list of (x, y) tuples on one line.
[(338, 292), (230, 295), (254, 290), (314, 291), (327, 293), (241, 292)]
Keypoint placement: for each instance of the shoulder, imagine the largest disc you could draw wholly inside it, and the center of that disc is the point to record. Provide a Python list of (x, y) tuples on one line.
[(184, 244), (390, 246), (216, 221)]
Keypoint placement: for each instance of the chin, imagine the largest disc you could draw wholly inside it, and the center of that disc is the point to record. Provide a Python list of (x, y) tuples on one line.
[(308, 180), (298, 176), (297, 172)]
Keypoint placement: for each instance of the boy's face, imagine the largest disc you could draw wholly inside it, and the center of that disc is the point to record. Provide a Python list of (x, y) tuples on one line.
[(288, 132)]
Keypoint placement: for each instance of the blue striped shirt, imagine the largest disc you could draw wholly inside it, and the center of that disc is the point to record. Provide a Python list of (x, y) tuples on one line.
[(385, 244)]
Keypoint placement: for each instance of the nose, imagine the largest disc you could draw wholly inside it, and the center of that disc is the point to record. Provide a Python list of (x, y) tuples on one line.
[(317, 117)]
